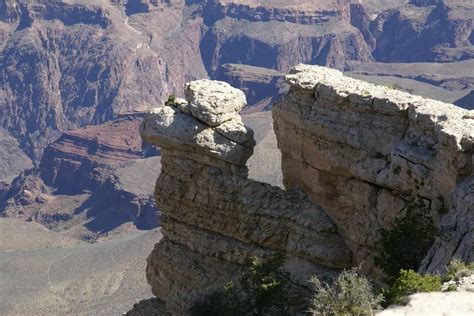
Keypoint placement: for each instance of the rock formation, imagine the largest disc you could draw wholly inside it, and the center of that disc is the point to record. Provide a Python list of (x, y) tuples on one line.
[(362, 152), (213, 215), (425, 31), (68, 64), (111, 199)]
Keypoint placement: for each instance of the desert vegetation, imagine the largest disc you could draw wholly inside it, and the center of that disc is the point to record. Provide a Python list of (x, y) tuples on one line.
[(404, 246), (349, 294), (262, 289)]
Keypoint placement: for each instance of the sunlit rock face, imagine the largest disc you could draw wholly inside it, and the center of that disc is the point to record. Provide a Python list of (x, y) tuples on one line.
[(214, 217), (362, 152)]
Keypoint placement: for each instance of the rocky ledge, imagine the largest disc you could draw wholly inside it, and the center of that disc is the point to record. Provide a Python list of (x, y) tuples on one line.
[(214, 217)]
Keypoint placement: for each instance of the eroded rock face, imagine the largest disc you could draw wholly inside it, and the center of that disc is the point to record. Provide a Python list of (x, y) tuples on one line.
[(425, 31), (458, 227), (14, 159), (68, 163), (214, 216), (363, 152), (68, 64)]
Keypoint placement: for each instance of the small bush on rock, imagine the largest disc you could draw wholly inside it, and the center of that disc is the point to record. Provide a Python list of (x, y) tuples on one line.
[(171, 101), (404, 245), (409, 282), (262, 289), (350, 294), (457, 270)]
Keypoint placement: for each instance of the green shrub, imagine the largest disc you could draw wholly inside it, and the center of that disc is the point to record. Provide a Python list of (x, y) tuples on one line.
[(457, 270), (262, 289), (171, 101), (409, 282), (405, 245), (350, 294)]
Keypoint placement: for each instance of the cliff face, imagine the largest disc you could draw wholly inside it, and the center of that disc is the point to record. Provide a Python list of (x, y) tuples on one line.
[(67, 64), (458, 237), (360, 152), (281, 34), (14, 159), (213, 215), (363, 152), (90, 182), (425, 31), (68, 162)]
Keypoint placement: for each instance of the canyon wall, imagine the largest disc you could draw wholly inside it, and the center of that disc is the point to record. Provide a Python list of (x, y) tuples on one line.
[(364, 152), (354, 155), (67, 64)]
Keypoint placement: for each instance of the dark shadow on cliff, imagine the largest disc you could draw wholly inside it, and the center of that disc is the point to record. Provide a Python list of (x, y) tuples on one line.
[(106, 212)]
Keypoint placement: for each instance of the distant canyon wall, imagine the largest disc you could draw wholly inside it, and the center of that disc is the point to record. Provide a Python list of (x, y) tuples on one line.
[(68, 64)]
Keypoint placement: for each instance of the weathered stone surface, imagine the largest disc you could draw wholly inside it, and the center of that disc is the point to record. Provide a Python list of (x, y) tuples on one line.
[(460, 284), (214, 216), (363, 151), (435, 304), (168, 127), (213, 102), (13, 159), (150, 307), (458, 237)]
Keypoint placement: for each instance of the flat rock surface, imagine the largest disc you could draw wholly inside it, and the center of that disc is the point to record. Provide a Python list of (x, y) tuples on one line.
[(265, 163), (435, 304)]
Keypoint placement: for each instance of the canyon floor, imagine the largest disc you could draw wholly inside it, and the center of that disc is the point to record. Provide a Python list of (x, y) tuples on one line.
[(46, 273)]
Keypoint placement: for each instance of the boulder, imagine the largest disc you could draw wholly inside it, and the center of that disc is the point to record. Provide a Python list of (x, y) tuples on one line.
[(213, 102)]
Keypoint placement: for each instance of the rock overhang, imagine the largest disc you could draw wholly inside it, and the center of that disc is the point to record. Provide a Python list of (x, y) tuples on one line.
[(207, 123)]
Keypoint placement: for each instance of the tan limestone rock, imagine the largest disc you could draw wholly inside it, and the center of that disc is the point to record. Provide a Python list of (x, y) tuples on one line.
[(363, 151)]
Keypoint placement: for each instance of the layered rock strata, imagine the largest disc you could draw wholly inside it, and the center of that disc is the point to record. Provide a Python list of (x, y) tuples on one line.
[(69, 161), (214, 217), (363, 152)]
